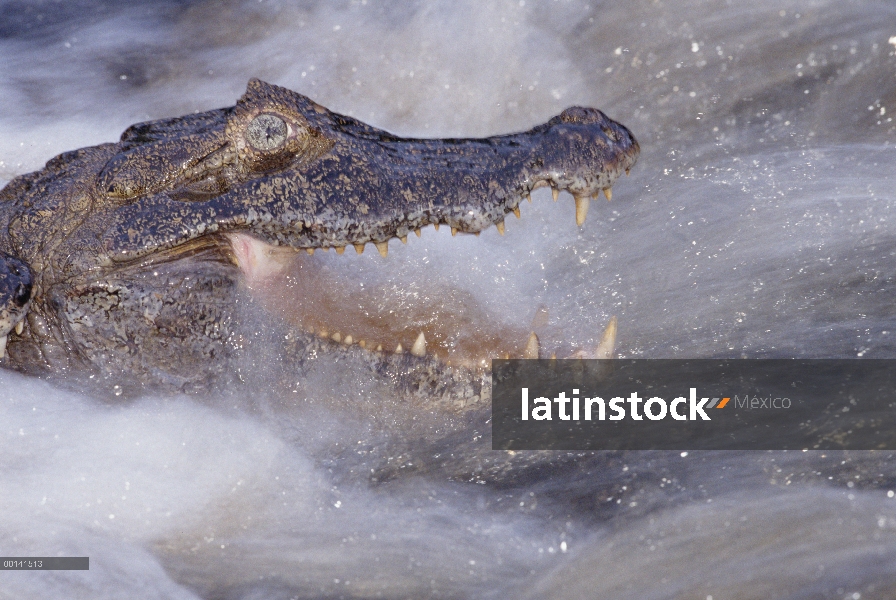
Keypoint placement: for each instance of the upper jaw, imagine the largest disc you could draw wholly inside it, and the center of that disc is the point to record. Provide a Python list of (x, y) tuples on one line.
[(346, 183)]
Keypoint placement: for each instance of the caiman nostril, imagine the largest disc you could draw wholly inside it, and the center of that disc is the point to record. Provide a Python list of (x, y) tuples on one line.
[(22, 294)]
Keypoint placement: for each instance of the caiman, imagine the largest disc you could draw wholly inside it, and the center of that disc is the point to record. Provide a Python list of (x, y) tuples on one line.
[(122, 264)]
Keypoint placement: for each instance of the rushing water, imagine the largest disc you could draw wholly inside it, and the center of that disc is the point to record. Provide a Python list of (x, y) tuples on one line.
[(756, 224)]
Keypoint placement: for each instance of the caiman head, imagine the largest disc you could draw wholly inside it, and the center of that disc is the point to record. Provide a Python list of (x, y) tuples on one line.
[(137, 249)]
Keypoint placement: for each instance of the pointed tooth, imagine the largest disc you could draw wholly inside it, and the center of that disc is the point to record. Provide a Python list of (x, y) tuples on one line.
[(326, 248), (404, 239), (626, 172), (476, 233), (532, 347), (3, 346), (555, 192), (379, 347), (383, 247), (608, 192), (310, 251), (516, 211), (581, 209), (340, 249), (417, 231), (453, 231), (348, 341), (419, 347), (322, 332), (435, 226), (359, 248), (500, 226), (399, 349), (607, 344), (362, 343), (529, 198), (595, 195), (20, 327), (336, 337)]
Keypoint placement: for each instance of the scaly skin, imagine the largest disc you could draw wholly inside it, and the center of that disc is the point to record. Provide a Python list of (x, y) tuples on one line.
[(137, 248)]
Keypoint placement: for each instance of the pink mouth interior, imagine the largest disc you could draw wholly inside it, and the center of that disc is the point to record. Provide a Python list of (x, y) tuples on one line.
[(310, 295)]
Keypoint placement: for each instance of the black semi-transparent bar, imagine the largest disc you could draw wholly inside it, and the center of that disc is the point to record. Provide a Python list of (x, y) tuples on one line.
[(44, 563), (694, 404)]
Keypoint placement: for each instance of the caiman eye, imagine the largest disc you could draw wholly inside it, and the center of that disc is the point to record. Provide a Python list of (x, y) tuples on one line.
[(267, 132)]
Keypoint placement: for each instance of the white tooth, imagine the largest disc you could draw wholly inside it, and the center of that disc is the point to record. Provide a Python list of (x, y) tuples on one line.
[(555, 192), (399, 349), (435, 226), (362, 343), (20, 327), (3, 346), (336, 337), (417, 231), (581, 209), (516, 211), (529, 198), (454, 231), (379, 347), (383, 248), (608, 192), (500, 226), (607, 344), (310, 251), (404, 239), (532, 347), (348, 341), (359, 248), (419, 347), (340, 249)]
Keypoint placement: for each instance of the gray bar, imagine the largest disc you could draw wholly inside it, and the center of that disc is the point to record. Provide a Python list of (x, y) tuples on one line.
[(44, 563), (773, 404)]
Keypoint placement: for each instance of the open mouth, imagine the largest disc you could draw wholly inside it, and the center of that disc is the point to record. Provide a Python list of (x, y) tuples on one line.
[(427, 318)]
